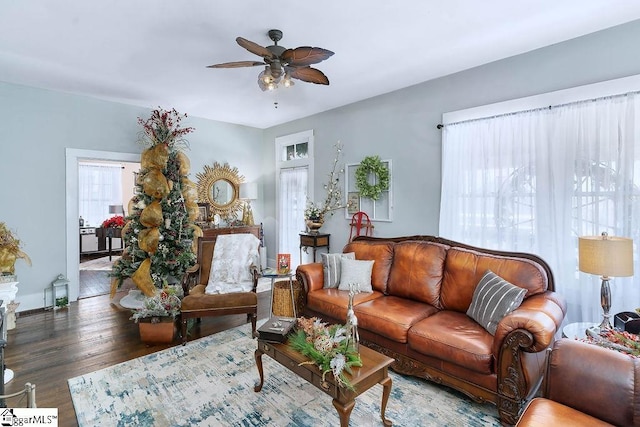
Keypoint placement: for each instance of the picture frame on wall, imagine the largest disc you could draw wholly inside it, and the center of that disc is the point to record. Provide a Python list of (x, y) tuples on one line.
[(353, 202), (203, 212)]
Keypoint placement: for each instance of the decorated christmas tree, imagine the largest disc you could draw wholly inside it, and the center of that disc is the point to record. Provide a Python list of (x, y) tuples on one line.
[(160, 232)]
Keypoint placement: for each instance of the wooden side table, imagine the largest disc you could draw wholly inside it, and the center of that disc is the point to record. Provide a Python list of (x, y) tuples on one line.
[(315, 241)]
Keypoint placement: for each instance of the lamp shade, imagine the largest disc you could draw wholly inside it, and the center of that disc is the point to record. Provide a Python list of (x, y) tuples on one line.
[(606, 256), (116, 209), (249, 191)]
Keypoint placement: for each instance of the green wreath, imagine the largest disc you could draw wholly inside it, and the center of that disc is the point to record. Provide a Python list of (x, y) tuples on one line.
[(372, 165)]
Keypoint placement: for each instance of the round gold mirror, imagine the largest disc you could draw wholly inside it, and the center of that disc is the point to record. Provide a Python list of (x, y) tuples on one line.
[(219, 186)]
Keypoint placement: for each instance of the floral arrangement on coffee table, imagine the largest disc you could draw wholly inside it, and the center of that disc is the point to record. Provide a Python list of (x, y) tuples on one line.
[(328, 347)]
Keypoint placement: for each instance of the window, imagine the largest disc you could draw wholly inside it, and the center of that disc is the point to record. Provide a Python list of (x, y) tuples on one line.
[(536, 180), (100, 185)]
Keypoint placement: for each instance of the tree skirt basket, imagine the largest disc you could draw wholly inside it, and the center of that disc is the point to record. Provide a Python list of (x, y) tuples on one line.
[(162, 332), (282, 298)]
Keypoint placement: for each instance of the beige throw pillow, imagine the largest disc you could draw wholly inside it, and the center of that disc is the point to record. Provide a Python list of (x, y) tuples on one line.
[(357, 272)]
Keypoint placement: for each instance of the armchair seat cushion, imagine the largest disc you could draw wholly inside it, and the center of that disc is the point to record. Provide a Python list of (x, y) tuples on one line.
[(392, 317), (210, 302), (455, 337), (541, 412)]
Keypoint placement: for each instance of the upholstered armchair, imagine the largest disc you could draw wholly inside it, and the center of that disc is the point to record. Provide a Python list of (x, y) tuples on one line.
[(586, 385), (223, 281)]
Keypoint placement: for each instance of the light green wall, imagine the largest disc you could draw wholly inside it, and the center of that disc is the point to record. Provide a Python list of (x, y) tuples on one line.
[(401, 125), (36, 126)]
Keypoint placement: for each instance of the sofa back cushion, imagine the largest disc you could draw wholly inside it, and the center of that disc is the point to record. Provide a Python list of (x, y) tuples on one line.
[(417, 271), (465, 267), (381, 253)]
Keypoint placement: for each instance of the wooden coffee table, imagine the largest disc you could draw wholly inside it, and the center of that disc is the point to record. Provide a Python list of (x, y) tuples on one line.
[(374, 370)]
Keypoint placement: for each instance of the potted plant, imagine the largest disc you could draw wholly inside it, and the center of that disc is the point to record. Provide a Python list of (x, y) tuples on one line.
[(157, 317), (9, 251)]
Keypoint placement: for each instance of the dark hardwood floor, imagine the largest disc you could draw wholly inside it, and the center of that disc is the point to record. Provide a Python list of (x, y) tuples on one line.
[(47, 348)]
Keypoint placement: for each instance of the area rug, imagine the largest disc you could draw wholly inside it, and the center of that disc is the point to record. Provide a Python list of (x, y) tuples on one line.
[(100, 264), (209, 382)]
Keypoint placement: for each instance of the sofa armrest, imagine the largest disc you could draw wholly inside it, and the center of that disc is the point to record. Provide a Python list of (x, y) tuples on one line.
[(597, 381), (541, 315), (311, 276), (519, 348)]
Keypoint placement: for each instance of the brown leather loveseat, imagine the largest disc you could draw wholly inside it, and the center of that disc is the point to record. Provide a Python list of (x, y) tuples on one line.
[(586, 385), (422, 288)]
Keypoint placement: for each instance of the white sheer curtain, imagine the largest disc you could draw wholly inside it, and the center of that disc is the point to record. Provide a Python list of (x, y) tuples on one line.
[(535, 181), (293, 197), (100, 185)]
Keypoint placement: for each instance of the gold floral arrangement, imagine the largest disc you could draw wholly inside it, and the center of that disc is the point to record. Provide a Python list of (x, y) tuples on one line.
[(328, 347), (10, 251)]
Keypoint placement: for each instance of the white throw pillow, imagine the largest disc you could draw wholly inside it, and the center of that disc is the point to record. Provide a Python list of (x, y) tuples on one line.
[(493, 299), (357, 272), (332, 267)]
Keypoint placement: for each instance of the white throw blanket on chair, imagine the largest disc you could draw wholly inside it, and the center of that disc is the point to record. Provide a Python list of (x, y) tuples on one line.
[(233, 257)]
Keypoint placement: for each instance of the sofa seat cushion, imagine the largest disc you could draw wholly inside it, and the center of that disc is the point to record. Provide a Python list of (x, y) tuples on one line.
[(391, 317), (455, 337), (333, 302)]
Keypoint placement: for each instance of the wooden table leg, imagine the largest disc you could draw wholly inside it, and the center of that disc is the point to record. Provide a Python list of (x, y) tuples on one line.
[(386, 391), (258, 356), (344, 411)]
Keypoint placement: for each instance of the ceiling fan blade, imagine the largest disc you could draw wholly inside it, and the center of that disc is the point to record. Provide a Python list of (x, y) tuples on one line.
[(305, 55), (255, 48), (308, 74), (236, 64)]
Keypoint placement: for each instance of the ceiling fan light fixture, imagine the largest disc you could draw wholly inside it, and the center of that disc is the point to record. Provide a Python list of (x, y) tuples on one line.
[(281, 64), (266, 75), (286, 81)]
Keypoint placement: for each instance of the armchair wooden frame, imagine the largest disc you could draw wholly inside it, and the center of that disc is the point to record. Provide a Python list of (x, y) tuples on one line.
[(196, 304)]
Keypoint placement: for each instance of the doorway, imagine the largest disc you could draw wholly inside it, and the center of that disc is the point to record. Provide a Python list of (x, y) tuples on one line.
[(73, 159), (105, 187)]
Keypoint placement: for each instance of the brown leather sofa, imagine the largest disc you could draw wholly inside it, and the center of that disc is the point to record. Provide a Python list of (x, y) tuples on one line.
[(586, 385), (422, 288)]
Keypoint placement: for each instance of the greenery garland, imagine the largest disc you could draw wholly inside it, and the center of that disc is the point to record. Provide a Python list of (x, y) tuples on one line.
[(372, 165)]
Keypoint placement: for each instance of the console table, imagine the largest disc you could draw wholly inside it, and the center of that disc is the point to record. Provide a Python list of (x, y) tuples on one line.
[(108, 234), (315, 241)]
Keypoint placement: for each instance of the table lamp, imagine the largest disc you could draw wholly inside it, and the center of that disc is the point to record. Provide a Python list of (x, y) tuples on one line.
[(116, 209), (248, 192), (605, 256)]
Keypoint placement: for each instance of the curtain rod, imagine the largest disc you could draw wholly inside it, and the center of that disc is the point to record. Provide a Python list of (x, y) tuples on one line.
[(513, 113)]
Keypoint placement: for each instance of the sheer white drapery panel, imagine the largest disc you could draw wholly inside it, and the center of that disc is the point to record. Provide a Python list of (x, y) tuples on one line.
[(100, 185), (535, 181), (293, 198)]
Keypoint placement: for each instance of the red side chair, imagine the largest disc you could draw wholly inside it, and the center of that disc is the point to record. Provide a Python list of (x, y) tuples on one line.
[(360, 221)]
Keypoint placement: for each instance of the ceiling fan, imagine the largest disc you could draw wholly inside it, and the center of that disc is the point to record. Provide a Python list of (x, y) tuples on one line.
[(282, 64)]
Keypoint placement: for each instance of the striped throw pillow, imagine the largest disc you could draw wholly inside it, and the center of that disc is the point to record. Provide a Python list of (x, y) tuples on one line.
[(493, 299), (331, 267)]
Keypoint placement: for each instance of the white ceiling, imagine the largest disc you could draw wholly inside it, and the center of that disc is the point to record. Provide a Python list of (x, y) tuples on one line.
[(154, 52)]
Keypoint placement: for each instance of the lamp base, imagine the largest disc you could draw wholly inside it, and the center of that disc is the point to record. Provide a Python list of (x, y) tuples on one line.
[(247, 215), (605, 301)]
